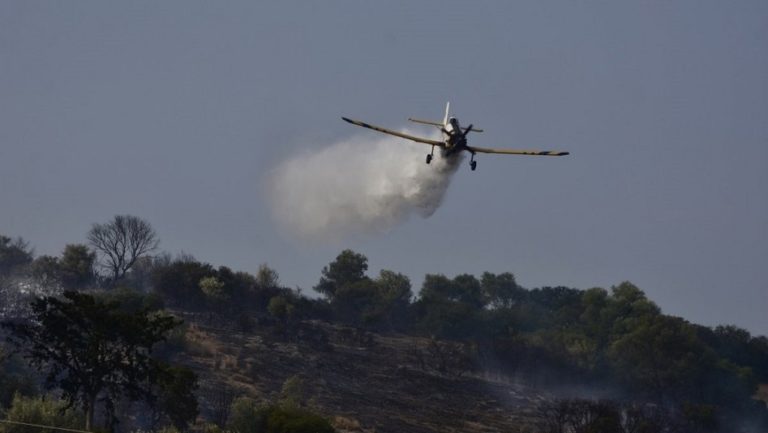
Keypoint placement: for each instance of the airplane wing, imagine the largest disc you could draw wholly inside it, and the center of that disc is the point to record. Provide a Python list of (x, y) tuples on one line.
[(395, 133), (517, 152)]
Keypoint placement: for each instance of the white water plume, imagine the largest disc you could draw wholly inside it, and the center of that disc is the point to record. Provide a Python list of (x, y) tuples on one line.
[(361, 185)]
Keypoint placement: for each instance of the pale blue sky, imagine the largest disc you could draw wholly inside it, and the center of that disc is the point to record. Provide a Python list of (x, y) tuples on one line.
[(175, 111)]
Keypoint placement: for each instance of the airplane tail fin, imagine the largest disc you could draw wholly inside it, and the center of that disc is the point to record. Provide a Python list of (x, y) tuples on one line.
[(447, 109)]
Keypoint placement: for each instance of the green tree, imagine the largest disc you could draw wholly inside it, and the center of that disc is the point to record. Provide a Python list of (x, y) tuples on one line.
[(662, 357), (451, 307), (501, 291), (246, 417), (46, 270), (464, 289), (355, 302), (281, 308), (214, 289), (294, 392), (91, 349), (14, 253), (179, 282), (77, 266), (267, 278), (175, 388), (393, 299), (348, 268)]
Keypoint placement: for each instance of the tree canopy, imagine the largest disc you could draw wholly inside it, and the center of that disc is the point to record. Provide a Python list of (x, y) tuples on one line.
[(91, 349)]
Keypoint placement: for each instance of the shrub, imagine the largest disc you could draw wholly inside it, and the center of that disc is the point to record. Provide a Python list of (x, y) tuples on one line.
[(43, 411)]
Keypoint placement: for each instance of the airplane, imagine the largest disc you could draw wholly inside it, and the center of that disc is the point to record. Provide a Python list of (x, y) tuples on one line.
[(454, 139)]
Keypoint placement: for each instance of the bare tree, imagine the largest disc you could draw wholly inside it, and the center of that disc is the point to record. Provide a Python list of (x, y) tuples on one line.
[(121, 242)]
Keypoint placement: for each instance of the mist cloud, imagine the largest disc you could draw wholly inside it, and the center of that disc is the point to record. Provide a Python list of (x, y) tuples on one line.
[(357, 186)]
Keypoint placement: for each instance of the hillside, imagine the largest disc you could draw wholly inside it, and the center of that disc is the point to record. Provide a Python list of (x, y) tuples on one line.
[(366, 382), (468, 353)]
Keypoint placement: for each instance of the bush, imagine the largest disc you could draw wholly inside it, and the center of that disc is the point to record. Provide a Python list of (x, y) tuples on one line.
[(43, 411), (294, 420), (247, 417)]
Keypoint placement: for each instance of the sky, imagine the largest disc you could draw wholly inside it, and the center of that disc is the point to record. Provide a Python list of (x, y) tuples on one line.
[(180, 112)]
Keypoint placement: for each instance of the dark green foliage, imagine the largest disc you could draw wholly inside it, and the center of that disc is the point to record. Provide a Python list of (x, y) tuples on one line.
[(187, 283), (88, 346), (281, 419), (133, 301), (14, 254), (662, 357), (15, 379), (46, 270), (247, 417), (74, 270), (47, 411), (740, 347), (380, 303), (76, 266), (179, 282), (175, 388), (501, 291), (463, 289), (451, 308), (348, 268)]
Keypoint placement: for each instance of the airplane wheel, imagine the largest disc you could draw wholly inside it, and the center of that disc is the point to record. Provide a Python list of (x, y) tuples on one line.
[(473, 165), (429, 159)]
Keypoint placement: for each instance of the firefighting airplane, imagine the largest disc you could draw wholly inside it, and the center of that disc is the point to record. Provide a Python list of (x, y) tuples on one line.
[(454, 139)]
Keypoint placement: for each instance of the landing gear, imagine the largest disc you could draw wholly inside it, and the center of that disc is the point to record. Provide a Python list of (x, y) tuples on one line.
[(473, 163), (429, 156)]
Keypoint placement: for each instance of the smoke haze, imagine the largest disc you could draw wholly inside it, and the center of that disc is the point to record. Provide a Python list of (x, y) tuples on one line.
[(358, 186)]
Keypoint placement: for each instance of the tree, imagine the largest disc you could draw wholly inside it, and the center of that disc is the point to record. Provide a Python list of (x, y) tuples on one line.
[(349, 267), (464, 289), (175, 392), (13, 254), (121, 242), (394, 298), (179, 282), (501, 291), (663, 357), (266, 277), (281, 308), (91, 349), (246, 416), (214, 289), (46, 270), (76, 266), (294, 392)]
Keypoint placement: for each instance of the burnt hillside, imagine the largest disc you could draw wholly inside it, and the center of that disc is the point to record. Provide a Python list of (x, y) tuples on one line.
[(364, 381)]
